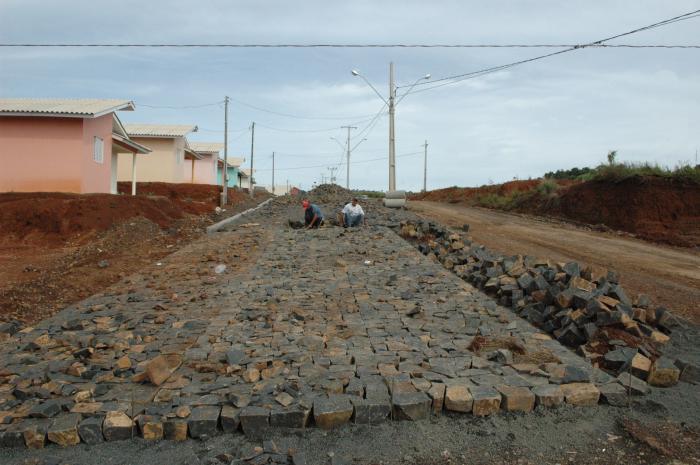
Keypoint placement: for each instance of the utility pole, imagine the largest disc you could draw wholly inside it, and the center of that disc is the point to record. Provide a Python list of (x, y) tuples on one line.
[(224, 173), (333, 169), (425, 167), (392, 140), (287, 186), (273, 173), (252, 148), (347, 176)]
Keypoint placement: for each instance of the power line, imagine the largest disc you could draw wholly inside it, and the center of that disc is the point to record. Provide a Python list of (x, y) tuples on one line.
[(297, 130), (598, 43), (289, 115), (334, 164), (135, 45), (180, 107)]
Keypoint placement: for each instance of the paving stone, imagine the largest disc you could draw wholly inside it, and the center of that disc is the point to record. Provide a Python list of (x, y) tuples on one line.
[(333, 411), (255, 421), (294, 416), (410, 406), (635, 385), (47, 409), (486, 400), (12, 437), (458, 398), (663, 373), (230, 419), (117, 426), (90, 430), (370, 411), (151, 427), (34, 433), (548, 395), (64, 430), (175, 429), (516, 399), (203, 421), (614, 394), (437, 394), (580, 394)]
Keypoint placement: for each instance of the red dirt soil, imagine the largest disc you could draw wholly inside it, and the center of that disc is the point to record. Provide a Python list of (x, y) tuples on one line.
[(193, 198), (653, 208), (57, 248), (463, 194), (50, 218)]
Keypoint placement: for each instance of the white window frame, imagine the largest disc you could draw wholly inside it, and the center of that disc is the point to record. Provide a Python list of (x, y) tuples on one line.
[(98, 150)]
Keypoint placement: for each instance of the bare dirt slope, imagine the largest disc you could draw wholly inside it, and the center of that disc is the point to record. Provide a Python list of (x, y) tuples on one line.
[(671, 276)]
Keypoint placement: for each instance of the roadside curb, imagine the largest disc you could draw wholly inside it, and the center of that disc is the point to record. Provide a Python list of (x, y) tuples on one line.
[(225, 222)]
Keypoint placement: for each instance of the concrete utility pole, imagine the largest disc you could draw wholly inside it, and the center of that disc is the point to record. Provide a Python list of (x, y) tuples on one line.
[(347, 176), (333, 169), (224, 173), (287, 186), (273, 173), (392, 139), (252, 148), (425, 167)]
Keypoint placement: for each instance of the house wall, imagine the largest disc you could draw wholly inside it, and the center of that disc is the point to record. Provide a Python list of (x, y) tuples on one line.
[(160, 165), (205, 170), (232, 176), (46, 154), (97, 177)]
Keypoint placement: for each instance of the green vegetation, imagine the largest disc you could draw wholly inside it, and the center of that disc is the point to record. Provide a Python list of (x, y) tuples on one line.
[(620, 171), (573, 173), (547, 187), (508, 201), (371, 194)]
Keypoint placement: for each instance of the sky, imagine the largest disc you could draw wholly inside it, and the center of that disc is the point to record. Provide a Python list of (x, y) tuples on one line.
[(557, 113)]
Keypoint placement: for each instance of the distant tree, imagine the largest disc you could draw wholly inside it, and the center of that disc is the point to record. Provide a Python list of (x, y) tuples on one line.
[(611, 157)]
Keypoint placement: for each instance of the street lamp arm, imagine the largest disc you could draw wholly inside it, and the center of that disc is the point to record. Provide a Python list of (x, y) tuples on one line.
[(358, 144), (411, 88), (338, 142), (373, 88)]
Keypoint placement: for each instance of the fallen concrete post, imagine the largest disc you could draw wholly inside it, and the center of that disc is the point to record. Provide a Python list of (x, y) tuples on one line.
[(225, 222)]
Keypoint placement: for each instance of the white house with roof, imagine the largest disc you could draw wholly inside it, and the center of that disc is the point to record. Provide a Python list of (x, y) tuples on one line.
[(171, 158)]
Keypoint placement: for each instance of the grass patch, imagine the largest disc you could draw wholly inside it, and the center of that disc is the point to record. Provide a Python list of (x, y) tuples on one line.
[(622, 171)]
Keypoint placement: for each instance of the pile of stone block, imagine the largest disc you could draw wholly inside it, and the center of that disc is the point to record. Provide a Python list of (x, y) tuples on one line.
[(575, 303)]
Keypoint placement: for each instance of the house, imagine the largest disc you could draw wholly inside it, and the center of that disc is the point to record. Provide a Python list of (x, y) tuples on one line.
[(171, 158), (63, 145), (206, 169), (244, 178), (234, 164)]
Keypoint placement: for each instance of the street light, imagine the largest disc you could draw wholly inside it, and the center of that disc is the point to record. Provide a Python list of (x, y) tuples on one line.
[(391, 103)]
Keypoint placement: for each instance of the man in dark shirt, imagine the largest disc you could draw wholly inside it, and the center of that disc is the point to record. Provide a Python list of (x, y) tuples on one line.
[(313, 216)]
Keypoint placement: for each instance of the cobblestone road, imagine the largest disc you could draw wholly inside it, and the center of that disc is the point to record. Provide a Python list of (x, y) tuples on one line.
[(302, 328)]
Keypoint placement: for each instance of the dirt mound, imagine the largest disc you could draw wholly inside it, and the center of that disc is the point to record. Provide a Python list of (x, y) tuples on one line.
[(56, 218), (197, 199), (653, 208), (463, 194)]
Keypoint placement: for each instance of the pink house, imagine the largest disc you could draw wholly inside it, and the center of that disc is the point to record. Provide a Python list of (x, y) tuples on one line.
[(205, 169), (62, 145)]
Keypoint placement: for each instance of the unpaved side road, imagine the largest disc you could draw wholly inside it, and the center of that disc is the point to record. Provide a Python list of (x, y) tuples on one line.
[(671, 276)]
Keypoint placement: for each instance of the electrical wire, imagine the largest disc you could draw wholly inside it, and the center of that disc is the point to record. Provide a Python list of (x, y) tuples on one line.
[(134, 45), (334, 164), (289, 115), (179, 107), (598, 43)]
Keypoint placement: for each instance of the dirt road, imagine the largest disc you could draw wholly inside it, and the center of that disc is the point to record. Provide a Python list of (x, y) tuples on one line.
[(671, 276)]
